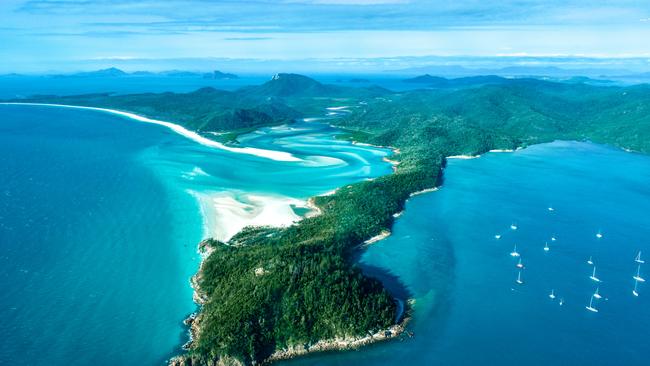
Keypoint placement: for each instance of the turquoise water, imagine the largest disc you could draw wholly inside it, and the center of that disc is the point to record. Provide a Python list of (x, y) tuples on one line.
[(469, 310), (99, 229), (99, 226)]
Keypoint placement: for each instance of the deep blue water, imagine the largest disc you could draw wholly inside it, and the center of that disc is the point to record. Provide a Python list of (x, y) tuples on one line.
[(469, 310), (98, 234), (99, 229)]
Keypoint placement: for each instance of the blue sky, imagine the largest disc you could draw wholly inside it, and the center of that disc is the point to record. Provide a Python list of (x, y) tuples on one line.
[(42, 35)]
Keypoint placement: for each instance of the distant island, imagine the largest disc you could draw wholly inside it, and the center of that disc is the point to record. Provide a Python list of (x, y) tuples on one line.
[(110, 72), (113, 72), (425, 79), (272, 293), (218, 75), (462, 82)]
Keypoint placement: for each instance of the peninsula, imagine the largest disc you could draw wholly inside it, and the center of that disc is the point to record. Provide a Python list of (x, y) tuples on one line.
[(270, 292)]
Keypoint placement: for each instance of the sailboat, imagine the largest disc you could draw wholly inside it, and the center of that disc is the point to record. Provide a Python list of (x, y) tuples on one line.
[(497, 236), (520, 265), (597, 293), (638, 258), (635, 292), (552, 295), (591, 305), (519, 281), (513, 226), (546, 248), (638, 275), (590, 261), (593, 275), (561, 301), (551, 209), (599, 235), (553, 238), (514, 252)]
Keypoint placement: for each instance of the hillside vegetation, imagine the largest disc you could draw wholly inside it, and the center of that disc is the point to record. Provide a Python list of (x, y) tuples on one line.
[(272, 288)]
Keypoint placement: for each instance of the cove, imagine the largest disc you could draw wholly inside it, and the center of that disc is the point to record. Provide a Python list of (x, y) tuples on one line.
[(469, 309)]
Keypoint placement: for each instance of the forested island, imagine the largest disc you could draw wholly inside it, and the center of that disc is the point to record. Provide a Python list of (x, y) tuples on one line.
[(270, 289)]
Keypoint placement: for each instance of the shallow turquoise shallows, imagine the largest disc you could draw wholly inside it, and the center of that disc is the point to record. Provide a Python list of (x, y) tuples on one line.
[(99, 226), (468, 308)]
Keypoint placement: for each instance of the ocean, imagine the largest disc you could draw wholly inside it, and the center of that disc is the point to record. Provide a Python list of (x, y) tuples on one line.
[(101, 215), (468, 308)]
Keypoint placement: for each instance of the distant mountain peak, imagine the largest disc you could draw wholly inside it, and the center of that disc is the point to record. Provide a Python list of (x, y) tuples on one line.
[(283, 84), (111, 71), (425, 79), (287, 76)]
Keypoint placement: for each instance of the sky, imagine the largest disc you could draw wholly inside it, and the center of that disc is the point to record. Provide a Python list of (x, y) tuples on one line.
[(74, 35)]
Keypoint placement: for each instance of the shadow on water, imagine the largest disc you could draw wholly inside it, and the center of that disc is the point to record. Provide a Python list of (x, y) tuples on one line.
[(391, 282), (427, 277), (183, 338)]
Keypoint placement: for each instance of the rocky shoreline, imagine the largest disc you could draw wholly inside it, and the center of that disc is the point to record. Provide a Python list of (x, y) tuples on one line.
[(347, 343), (343, 343), (193, 321)]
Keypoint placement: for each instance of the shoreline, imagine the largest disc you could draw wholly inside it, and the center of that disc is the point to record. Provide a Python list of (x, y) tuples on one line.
[(464, 157), (341, 344), (381, 236), (225, 213), (268, 154), (236, 209), (337, 344)]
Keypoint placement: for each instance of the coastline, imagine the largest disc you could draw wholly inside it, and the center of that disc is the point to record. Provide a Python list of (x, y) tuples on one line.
[(337, 344), (463, 156), (259, 211), (268, 154), (343, 343), (340, 343), (226, 213)]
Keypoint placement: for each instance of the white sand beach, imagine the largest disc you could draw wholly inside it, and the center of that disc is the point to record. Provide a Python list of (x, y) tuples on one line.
[(269, 154), (227, 213)]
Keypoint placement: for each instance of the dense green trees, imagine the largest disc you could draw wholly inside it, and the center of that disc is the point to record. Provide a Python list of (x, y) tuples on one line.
[(271, 288)]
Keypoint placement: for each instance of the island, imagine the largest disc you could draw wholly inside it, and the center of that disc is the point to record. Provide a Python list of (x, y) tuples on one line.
[(272, 293), (218, 75)]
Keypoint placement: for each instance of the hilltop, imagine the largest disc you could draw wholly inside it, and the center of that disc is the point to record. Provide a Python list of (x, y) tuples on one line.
[(312, 289)]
